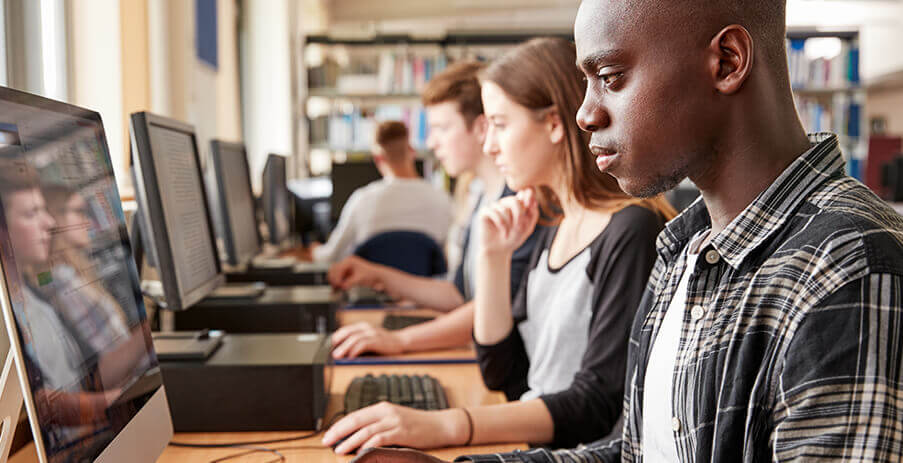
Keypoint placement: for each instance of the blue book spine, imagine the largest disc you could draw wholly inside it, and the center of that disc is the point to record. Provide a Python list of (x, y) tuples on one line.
[(855, 112), (421, 134), (854, 168), (854, 66)]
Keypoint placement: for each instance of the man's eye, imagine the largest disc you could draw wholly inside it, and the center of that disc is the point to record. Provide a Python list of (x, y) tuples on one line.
[(610, 78)]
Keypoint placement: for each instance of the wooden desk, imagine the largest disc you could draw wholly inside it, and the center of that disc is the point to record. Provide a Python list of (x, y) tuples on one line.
[(462, 382), (463, 387)]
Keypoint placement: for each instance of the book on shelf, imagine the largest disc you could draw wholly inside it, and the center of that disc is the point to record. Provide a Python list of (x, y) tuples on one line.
[(842, 114), (389, 73), (354, 130), (839, 72)]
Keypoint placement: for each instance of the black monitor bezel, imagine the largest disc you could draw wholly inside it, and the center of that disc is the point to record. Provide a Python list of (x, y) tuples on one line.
[(150, 205), (268, 195), (216, 147)]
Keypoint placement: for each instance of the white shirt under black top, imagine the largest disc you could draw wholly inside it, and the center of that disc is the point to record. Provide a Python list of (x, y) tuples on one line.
[(389, 204), (569, 344), (658, 431)]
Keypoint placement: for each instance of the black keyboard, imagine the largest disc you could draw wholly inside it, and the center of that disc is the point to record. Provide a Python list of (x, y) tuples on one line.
[(397, 322), (421, 392)]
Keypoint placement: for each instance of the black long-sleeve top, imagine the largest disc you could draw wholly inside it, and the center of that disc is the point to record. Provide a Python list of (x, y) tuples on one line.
[(592, 316)]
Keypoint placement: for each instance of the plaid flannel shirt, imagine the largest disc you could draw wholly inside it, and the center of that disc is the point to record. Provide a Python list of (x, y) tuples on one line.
[(792, 338)]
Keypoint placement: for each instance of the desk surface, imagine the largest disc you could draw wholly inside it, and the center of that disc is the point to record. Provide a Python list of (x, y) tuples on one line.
[(462, 382)]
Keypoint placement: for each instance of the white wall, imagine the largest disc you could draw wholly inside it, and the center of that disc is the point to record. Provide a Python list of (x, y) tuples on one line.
[(880, 25), (266, 81), (228, 115), (96, 74), (185, 88), (889, 105)]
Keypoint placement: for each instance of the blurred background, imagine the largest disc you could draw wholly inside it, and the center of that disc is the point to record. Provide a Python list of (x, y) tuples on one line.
[(308, 79)]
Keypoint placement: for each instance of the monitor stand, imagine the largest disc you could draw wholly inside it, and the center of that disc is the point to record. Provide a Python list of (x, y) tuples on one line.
[(239, 291), (273, 263), (10, 405)]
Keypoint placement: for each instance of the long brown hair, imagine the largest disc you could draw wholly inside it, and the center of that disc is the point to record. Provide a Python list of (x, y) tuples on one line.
[(540, 75)]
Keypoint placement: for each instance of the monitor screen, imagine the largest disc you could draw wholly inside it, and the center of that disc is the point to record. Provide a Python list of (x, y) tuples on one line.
[(172, 199), (236, 202), (70, 280), (276, 206), (349, 176)]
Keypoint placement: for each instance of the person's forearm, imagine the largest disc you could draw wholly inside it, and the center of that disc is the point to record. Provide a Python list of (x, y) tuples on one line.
[(449, 330), (527, 421), (492, 314), (425, 292)]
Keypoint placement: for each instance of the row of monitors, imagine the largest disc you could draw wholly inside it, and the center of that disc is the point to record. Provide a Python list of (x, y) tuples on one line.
[(173, 205)]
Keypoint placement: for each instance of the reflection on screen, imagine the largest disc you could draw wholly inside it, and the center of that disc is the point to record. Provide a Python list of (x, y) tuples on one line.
[(181, 191), (71, 281), (239, 203)]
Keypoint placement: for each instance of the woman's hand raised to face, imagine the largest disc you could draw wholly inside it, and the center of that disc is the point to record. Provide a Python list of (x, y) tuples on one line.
[(509, 222)]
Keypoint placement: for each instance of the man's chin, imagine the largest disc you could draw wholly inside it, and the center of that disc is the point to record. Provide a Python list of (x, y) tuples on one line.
[(646, 187)]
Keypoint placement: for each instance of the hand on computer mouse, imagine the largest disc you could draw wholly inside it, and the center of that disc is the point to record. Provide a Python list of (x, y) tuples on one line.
[(353, 340), (386, 424), (381, 455), (354, 271)]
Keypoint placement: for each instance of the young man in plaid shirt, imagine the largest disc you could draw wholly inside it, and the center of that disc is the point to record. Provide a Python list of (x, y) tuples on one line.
[(772, 327)]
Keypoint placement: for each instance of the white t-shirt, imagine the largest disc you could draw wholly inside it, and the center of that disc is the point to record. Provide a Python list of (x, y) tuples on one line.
[(658, 430), (394, 204)]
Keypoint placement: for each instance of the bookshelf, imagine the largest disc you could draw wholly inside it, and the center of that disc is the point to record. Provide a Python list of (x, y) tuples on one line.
[(824, 74), (354, 84)]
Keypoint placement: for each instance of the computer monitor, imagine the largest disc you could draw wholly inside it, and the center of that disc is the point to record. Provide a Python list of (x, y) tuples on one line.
[(71, 299), (892, 179), (351, 175), (172, 208), (235, 202), (277, 209)]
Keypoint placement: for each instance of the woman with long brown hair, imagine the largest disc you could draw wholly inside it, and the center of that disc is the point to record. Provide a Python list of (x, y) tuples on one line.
[(561, 346)]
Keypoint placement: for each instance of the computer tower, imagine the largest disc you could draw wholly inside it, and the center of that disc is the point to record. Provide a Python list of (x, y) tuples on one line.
[(296, 309), (259, 382)]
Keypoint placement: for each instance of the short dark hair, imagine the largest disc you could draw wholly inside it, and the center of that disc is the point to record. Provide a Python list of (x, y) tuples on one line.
[(392, 138), (390, 131)]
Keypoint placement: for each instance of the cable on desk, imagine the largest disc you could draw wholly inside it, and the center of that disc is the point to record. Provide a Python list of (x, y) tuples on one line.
[(279, 457), (258, 442), (275, 450)]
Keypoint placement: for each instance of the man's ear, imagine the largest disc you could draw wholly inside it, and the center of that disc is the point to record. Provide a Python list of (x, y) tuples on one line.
[(730, 58), (379, 158), (479, 127)]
